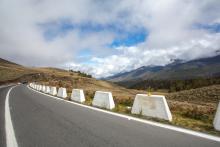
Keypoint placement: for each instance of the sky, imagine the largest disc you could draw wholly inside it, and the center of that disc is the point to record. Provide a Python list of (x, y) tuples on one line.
[(106, 37)]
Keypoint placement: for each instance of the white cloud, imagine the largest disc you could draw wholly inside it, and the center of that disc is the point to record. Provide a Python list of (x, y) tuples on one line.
[(170, 23), (135, 57)]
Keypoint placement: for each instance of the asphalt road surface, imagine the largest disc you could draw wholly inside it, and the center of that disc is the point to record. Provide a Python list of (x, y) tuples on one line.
[(41, 121)]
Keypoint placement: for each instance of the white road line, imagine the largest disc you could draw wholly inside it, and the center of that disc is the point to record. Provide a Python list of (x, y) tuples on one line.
[(10, 135), (4, 86), (174, 128)]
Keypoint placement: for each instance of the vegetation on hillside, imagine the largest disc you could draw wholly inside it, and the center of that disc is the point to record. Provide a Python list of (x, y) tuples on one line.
[(172, 85), (12, 72), (82, 74)]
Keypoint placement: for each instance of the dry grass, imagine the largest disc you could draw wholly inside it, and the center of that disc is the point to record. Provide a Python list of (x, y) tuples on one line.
[(192, 109), (11, 71), (202, 96)]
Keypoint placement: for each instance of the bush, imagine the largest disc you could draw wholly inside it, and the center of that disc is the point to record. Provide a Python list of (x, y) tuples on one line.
[(82, 74), (89, 94), (61, 84), (196, 114), (125, 102)]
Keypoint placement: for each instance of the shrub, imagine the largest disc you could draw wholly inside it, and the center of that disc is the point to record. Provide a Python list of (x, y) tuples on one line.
[(125, 102)]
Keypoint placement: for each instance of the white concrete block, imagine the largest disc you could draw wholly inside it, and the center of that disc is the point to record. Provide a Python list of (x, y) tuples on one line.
[(78, 95), (153, 106), (62, 92), (47, 89), (43, 88), (53, 90), (216, 121), (103, 100), (39, 87)]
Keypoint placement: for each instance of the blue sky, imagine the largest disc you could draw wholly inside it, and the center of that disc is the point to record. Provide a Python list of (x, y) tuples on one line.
[(122, 37), (213, 28), (130, 38), (104, 38)]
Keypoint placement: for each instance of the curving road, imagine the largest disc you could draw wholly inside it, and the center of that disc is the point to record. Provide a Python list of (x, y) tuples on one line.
[(41, 121)]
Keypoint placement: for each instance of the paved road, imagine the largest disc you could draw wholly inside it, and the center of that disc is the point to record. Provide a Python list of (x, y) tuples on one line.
[(41, 121)]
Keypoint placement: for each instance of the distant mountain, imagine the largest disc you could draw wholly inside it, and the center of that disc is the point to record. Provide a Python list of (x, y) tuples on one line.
[(135, 74), (204, 67)]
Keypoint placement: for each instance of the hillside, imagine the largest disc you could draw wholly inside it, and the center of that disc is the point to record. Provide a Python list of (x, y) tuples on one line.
[(178, 70), (195, 108), (12, 72)]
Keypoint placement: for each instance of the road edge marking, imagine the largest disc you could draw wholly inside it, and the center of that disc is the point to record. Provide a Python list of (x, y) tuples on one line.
[(157, 124), (10, 134), (5, 86)]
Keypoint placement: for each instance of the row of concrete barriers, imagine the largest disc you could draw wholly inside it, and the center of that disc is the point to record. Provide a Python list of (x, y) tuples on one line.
[(147, 105)]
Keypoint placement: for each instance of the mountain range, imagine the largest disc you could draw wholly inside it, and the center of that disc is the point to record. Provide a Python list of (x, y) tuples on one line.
[(177, 70)]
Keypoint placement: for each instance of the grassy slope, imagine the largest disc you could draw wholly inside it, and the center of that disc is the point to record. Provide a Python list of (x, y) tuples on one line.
[(195, 108), (11, 72), (192, 109)]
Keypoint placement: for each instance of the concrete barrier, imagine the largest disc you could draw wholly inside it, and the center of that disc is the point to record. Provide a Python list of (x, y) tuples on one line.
[(103, 100), (47, 89), (78, 95), (216, 122), (62, 92), (39, 87), (53, 90), (153, 106), (43, 88)]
